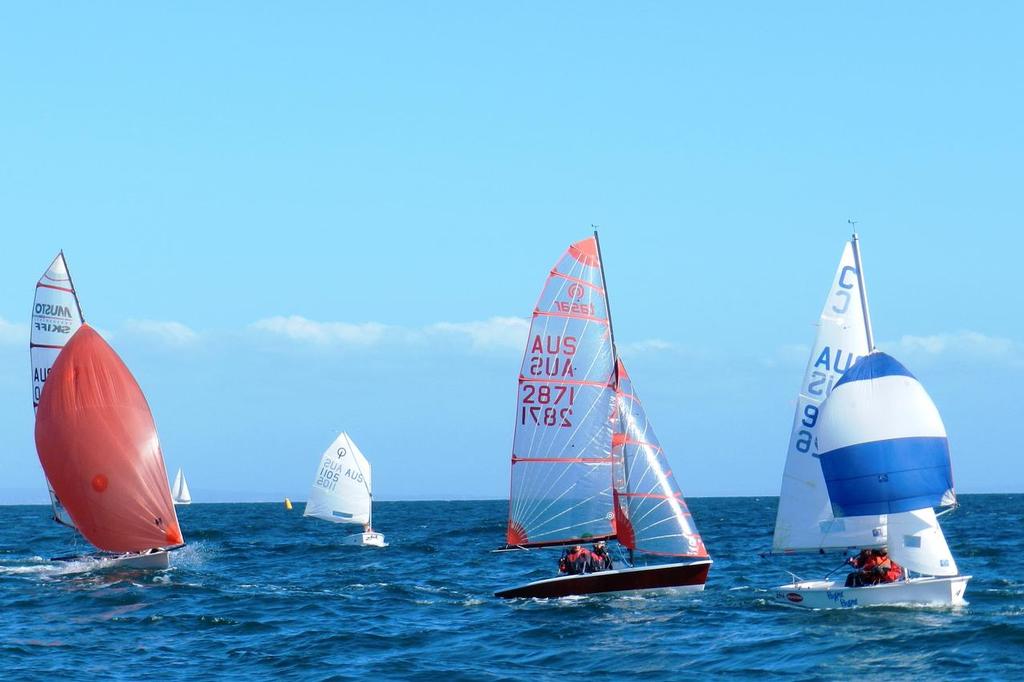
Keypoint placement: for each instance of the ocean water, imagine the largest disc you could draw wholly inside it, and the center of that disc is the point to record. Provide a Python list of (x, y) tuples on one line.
[(263, 593)]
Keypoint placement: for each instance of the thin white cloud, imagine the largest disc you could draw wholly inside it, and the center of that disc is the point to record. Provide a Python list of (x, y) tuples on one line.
[(497, 333), (298, 328), (646, 346), (13, 334), (166, 332), (965, 345)]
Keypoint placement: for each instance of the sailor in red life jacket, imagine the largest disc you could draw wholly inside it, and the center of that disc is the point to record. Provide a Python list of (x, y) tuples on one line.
[(886, 570), (601, 560), (576, 561), (874, 567)]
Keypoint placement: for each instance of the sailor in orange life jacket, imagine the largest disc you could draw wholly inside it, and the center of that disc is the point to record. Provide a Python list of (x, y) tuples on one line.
[(873, 567), (576, 561), (601, 560)]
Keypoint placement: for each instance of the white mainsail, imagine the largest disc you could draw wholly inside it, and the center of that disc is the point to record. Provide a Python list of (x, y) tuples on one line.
[(805, 521), (56, 316), (341, 491), (179, 491)]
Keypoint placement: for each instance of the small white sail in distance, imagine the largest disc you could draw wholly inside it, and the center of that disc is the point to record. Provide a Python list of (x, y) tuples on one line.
[(341, 491), (179, 491)]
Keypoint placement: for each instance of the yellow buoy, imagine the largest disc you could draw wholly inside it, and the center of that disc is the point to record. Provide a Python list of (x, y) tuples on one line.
[(287, 503)]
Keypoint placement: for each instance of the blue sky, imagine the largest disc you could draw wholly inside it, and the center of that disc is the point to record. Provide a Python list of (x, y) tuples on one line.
[(290, 220)]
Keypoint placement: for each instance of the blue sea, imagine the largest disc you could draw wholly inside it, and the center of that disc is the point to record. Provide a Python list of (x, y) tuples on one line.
[(260, 592)]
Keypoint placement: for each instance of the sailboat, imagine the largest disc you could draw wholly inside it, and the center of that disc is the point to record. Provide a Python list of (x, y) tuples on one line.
[(342, 492), (56, 316), (868, 460), (179, 491), (586, 465), (99, 447)]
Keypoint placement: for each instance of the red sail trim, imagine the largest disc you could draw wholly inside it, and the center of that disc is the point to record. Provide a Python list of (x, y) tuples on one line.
[(653, 446), (99, 449), (570, 316), (689, 556), (630, 396), (585, 252), (564, 460), (574, 382), (622, 525), (567, 541), (50, 286), (656, 496), (577, 280)]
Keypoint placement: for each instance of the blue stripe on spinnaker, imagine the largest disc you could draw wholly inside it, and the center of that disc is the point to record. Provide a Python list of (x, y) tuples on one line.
[(341, 515), (887, 476), (873, 366)]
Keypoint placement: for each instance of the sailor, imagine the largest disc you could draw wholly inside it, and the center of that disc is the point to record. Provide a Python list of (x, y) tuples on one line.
[(864, 562), (885, 569), (576, 561), (601, 560)]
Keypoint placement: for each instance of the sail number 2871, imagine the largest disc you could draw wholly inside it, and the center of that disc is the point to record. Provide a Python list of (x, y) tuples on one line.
[(543, 405)]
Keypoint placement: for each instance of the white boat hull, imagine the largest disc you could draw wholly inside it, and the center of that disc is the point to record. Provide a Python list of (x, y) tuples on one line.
[(365, 540), (154, 559), (828, 594)]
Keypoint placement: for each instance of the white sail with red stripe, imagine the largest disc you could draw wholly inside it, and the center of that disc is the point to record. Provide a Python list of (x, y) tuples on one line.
[(56, 316), (562, 450), (651, 515)]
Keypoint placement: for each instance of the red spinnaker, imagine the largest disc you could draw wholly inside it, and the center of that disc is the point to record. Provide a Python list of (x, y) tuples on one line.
[(99, 448)]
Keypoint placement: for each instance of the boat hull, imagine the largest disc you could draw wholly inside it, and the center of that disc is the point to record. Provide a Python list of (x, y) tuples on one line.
[(828, 594), (364, 540), (689, 576), (155, 559)]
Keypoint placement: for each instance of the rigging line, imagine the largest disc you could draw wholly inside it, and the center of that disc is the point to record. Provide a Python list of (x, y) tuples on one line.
[(581, 524), (535, 512)]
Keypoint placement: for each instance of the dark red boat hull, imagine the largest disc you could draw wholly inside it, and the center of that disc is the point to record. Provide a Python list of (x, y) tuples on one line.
[(691, 575)]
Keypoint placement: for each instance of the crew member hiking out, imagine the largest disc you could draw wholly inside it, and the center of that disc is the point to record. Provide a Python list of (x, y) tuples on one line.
[(576, 561), (602, 561)]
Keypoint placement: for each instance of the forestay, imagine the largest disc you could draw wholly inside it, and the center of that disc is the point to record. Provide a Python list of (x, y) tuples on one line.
[(805, 521), (99, 448), (882, 442), (650, 512), (56, 316), (562, 450), (341, 491)]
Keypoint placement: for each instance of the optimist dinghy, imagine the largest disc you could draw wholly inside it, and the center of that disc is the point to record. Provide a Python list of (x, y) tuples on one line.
[(342, 492), (586, 464), (99, 448), (868, 460)]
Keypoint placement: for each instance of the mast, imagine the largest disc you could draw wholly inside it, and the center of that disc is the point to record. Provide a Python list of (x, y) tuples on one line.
[(74, 292), (615, 365), (608, 306), (863, 290)]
